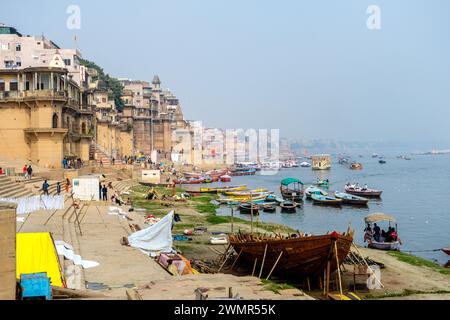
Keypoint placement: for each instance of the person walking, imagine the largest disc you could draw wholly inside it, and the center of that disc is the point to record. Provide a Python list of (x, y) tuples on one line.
[(67, 185), (24, 171), (58, 188), (45, 186), (30, 172), (105, 193)]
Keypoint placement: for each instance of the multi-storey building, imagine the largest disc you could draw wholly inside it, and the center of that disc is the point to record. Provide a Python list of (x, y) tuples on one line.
[(44, 110)]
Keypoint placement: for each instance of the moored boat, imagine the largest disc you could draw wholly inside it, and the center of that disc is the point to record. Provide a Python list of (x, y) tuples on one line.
[(269, 208), (300, 257), (351, 198), (288, 206), (249, 208), (223, 189), (325, 200), (246, 192), (225, 178), (365, 192), (446, 250), (314, 190), (292, 189)]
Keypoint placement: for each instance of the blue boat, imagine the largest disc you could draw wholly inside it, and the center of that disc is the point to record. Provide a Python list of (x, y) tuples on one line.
[(327, 200), (314, 190), (351, 199)]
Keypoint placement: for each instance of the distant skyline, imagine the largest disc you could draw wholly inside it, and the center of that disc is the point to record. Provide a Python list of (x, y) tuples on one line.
[(310, 68)]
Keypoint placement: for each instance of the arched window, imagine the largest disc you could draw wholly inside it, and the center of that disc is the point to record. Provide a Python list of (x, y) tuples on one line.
[(55, 121)]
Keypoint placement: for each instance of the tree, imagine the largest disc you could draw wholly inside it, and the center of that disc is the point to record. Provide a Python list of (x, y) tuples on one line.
[(107, 82)]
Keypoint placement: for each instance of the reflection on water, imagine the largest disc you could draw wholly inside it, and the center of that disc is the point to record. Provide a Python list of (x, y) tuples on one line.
[(413, 193)]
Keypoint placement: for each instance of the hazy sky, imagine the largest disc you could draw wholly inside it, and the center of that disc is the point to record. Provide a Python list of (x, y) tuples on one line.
[(311, 68)]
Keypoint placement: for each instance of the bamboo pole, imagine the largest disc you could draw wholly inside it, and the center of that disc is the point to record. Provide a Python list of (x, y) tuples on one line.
[(232, 266), (362, 257), (227, 255), (232, 219), (251, 213), (275, 264), (338, 269), (254, 267), (264, 259), (328, 278), (308, 283)]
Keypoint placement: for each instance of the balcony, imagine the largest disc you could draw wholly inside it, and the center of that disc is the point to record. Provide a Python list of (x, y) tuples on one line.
[(33, 95)]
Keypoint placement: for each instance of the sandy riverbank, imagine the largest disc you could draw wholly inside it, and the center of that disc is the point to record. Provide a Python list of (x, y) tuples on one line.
[(123, 268)]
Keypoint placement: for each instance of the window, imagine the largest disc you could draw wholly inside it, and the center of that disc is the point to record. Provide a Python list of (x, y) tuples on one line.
[(9, 63), (67, 62), (2, 85), (55, 121), (104, 100), (18, 47), (13, 85)]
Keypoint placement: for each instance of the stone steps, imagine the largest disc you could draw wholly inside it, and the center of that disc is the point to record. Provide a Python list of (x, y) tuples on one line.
[(12, 189)]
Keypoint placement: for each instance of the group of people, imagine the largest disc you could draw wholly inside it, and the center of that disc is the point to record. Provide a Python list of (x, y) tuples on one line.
[(379, 235), (356, 186), (115, 198), (46, 186), (27, 171), (72, 163)]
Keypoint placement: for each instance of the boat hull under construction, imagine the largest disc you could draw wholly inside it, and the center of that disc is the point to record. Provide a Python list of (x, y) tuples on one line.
[(302, 257)]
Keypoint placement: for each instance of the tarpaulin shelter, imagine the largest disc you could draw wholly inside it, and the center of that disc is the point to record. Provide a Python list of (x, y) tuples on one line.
[(157, 237), (36, 252)]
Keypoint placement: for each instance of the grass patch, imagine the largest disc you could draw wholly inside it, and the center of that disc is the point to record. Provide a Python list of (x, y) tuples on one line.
[(276, 287), (206, 207), (419, 262), (404, 293)]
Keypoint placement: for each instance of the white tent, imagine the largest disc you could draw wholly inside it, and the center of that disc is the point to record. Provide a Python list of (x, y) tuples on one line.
[(157, 237)]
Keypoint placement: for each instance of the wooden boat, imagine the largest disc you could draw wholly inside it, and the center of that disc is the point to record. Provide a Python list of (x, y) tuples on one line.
[(249, 208), (321, 162), (382, 161), (189, 181), (225, 178), (356, 166), (246, 192), (325, 200), (274, 198), (228, 200), (292, 189), (382, 244), (314, 190), (365, 192), (446, 250), (301, 257), (288, 207), (351, 199), (269, 208), (223, 189)]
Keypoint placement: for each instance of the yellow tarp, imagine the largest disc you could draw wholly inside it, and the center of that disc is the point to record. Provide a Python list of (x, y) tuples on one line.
[(36, 252)]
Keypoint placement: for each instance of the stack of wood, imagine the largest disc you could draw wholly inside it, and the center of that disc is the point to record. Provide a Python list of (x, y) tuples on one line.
[(203, 266), (354, 258)]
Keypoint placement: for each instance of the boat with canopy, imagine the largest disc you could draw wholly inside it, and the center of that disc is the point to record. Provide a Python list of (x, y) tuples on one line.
[(385, 240), (292, 189)]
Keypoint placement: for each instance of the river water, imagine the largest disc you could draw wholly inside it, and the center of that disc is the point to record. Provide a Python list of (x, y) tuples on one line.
[(415, 192)]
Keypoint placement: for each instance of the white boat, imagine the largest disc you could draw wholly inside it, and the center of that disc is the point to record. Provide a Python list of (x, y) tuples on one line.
[(218, 240), (382, 243), (305, 164)]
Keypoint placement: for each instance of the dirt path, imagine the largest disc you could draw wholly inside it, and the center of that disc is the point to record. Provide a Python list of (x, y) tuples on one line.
[(399, 276)]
